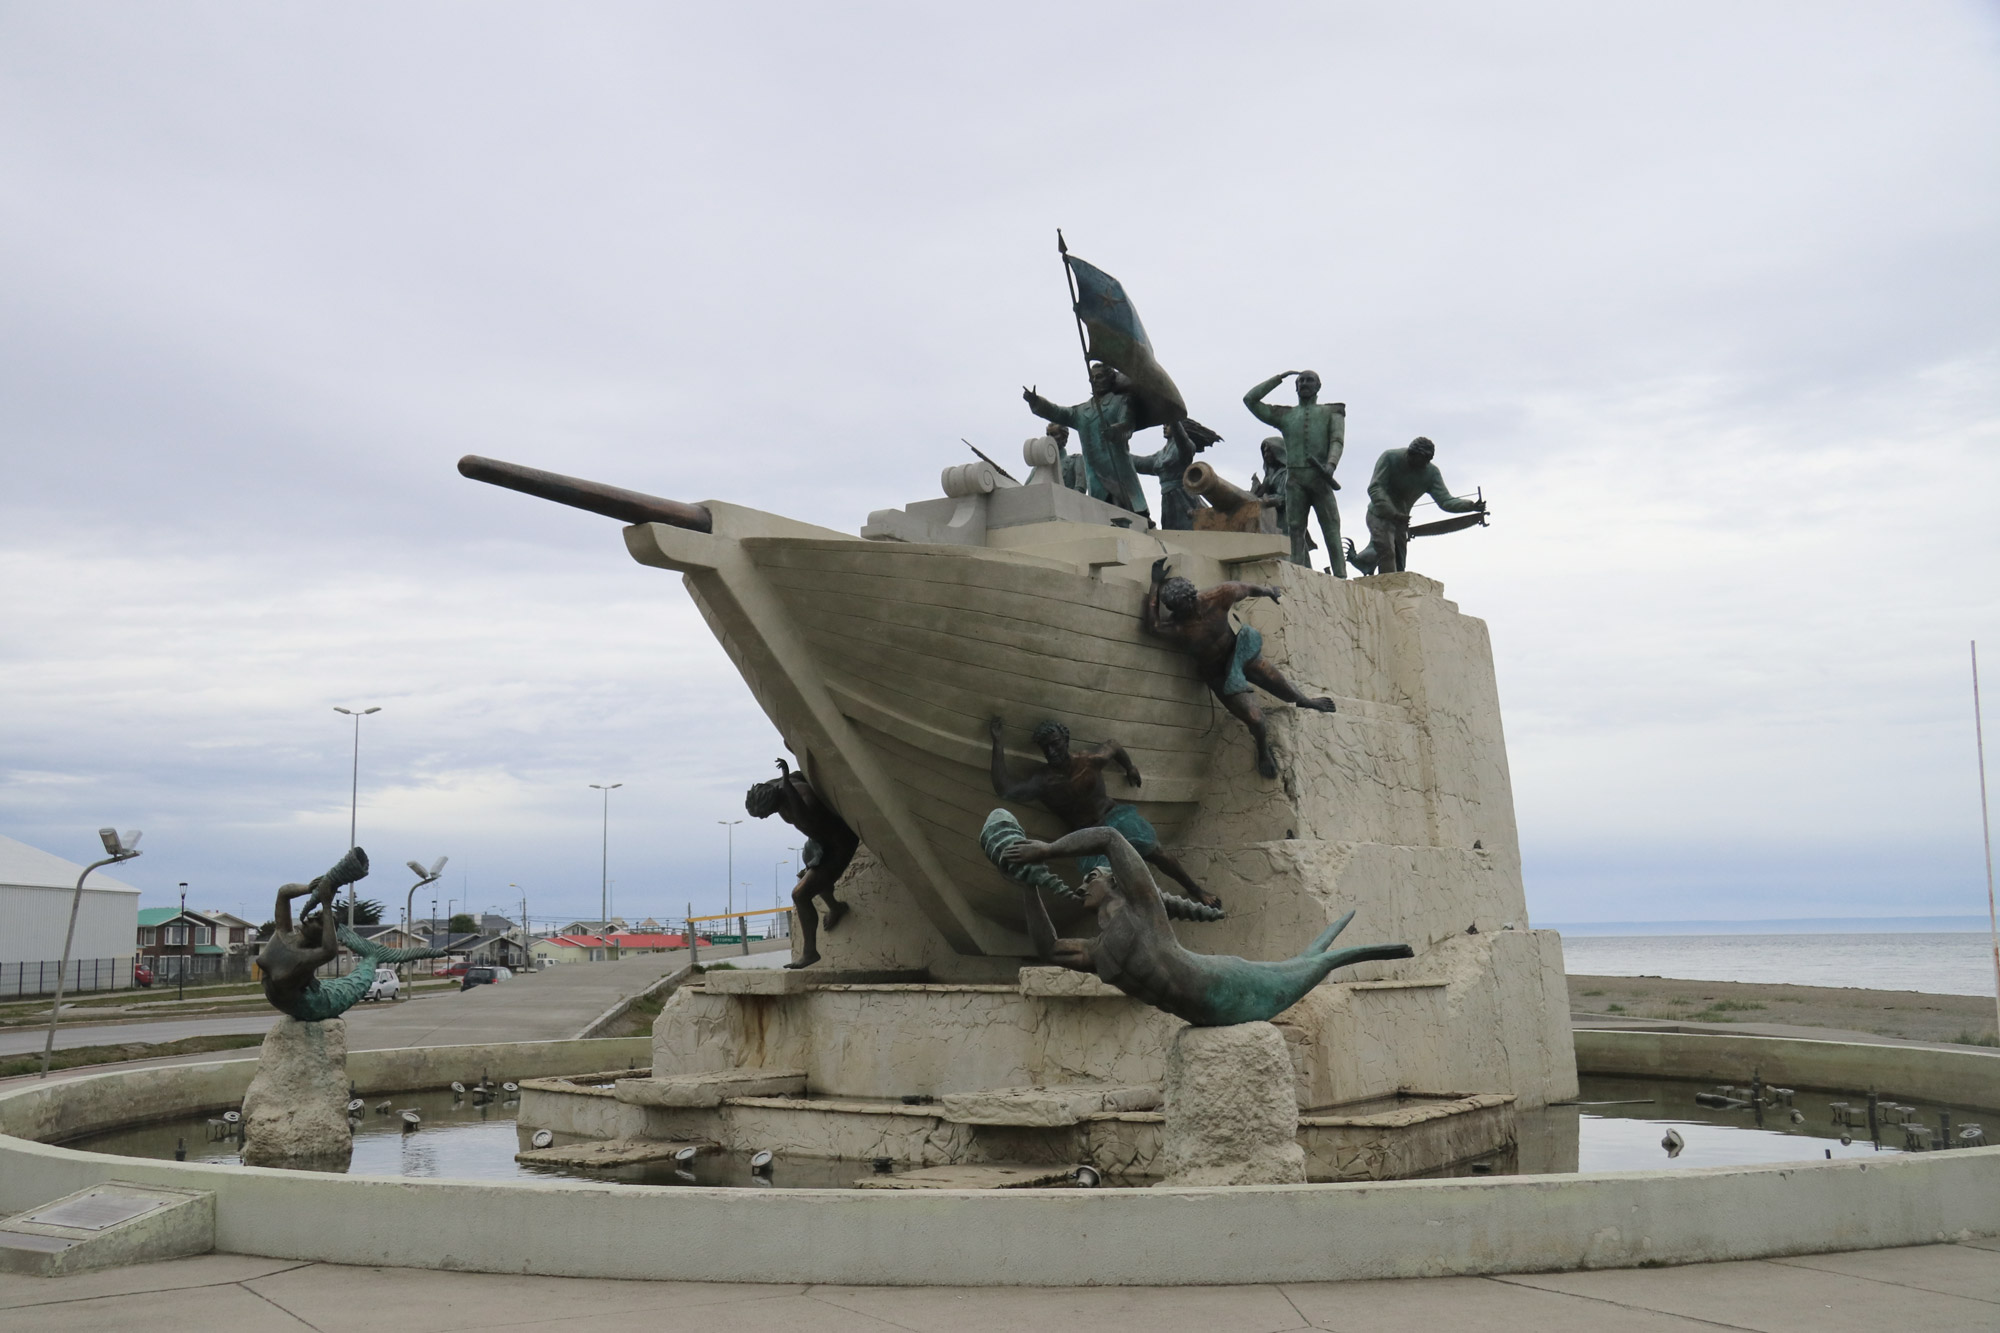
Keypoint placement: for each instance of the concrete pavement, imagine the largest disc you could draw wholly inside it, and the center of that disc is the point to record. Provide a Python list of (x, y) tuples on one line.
[(1936, 1288)]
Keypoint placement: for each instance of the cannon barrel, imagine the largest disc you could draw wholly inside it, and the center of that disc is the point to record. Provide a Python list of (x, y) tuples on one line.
[(1201, 479), (610, 501)]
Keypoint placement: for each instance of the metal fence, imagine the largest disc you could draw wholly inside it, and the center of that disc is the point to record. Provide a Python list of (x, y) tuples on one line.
[(29, 980), (85, 974)]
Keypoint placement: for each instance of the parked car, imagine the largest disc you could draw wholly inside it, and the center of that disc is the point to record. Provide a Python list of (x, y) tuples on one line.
[(387, 985), (480, 975), (142, 975), (455, 970)]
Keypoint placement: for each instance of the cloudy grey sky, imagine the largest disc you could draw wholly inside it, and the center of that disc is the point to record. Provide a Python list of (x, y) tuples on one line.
[(1706, 298)]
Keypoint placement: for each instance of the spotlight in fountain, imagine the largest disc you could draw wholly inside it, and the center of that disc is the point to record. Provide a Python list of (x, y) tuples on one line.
[(542, 1138), (411, 1120), (510, 1087), (457, 1089), (1673, 1143), (355, 1106), (1086, 1177), (760, 1162), (686, 1156)]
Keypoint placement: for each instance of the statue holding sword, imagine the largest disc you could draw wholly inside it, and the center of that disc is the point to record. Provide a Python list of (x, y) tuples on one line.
[(1315, 434)]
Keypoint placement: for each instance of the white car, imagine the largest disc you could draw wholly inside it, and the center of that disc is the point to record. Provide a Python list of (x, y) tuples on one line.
[(387, 985)]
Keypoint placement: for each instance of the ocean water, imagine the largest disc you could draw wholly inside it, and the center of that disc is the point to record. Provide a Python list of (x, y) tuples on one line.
[(1943, 963)]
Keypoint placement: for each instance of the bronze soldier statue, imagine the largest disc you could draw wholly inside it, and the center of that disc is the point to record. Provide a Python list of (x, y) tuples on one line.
[(1315, 436), (1185, 438), (1071, 786), (1230, 660), (1402, 477), (1103, 426), (830, 846)]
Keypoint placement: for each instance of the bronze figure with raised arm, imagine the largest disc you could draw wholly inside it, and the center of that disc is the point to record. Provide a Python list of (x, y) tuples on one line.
[(288, 960), (1070, 784), (1135, 949), (1230, 660), (830, 846), (1315, 436)]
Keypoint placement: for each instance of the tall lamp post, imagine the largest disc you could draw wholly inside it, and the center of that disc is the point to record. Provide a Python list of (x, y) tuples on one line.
[(354, 791), (604, 855), (122, 847), (187, 948), (729, 878)]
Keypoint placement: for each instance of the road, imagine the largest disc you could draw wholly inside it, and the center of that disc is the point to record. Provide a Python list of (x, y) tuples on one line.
[(534, 1006)]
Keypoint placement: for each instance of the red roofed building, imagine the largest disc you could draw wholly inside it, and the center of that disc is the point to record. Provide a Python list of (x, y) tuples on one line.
[(578, 948), (633, 941)]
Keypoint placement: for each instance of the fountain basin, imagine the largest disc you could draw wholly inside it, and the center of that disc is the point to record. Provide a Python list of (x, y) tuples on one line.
[(1313, 1232)]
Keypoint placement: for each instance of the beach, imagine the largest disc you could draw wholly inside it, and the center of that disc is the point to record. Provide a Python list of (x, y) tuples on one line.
[(1897, 1014)]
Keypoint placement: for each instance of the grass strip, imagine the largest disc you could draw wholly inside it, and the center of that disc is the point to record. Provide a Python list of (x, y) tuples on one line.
[(74, 1056)]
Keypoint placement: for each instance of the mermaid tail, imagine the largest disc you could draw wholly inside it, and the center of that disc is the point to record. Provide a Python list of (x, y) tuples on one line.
[(379, 955), (330, 999), (1002, 831), (1242, 990)]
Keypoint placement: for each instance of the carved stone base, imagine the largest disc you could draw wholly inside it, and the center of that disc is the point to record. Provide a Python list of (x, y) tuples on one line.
[(295, 1113), (1232, 1117)]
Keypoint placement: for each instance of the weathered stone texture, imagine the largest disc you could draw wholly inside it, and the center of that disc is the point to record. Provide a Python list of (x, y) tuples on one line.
[(1042, 1107), (1231, 1116), (295, 1112), (1377, 808)]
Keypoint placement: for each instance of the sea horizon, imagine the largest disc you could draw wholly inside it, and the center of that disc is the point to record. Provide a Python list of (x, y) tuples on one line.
[(1816, 925)]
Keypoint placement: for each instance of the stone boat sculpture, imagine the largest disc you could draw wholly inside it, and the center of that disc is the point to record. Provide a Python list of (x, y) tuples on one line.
[(880, 658)]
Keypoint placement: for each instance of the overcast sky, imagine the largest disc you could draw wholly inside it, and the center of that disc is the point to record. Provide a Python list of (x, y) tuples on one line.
[(1705, 298)]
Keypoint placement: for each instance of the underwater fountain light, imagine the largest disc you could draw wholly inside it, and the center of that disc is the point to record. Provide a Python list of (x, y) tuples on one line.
[(457, 1089), (1086, 1177), (1673, 1143), (542, 1138), (411, 1120), (510, 1087), (760, 1161), (686, 1155), (232, 1117), (356, 1106)]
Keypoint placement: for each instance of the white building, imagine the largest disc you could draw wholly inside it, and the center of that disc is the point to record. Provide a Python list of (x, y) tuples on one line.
[(35, 889)]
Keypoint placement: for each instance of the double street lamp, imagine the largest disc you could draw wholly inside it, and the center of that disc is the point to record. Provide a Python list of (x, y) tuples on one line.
[(423, 877)]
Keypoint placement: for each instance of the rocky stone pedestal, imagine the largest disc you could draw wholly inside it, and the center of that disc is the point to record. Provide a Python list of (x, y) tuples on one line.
[(295, 1113), (1232, 1115)]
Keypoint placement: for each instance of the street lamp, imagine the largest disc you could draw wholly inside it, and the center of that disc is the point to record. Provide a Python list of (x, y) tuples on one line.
[(354, 791), (729, 878), (121, 847), (423, 877), (187, 948), (604, 855)]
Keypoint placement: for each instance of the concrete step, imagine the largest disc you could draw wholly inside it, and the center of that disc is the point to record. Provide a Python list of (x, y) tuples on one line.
[(107, 1226)]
